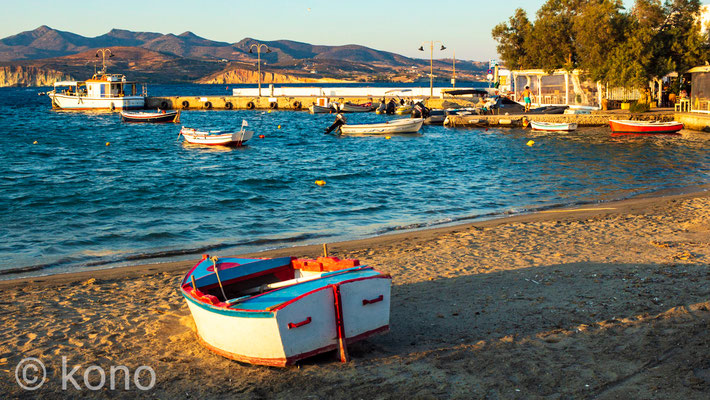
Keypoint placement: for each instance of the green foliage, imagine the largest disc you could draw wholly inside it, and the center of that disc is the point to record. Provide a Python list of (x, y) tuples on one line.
[(637, 107), (619, 47)]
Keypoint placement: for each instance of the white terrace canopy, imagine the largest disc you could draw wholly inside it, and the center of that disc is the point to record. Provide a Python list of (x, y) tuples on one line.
[(560, 87), (700, 89)]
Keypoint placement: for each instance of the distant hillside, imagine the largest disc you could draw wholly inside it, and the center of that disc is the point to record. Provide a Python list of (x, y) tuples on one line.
[(186, 57)]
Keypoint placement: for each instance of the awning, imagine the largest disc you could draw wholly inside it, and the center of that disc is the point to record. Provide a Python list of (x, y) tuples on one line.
[(66, 83)]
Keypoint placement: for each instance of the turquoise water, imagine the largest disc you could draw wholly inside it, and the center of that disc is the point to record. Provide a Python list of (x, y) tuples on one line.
[(70, 202)]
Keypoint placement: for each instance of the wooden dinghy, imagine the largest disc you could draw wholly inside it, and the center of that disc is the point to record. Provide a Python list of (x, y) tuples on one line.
[(644, 127), (553, 126), (316, 109), (156, 116), (282, 310), (404, 125), (216, 137), (355, 108)]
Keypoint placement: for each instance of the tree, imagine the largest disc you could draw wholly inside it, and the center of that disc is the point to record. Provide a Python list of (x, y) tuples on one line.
[(512, 40), (598, 30)]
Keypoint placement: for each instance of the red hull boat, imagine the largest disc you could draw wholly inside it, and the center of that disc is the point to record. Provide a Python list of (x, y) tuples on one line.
[(644, 127)]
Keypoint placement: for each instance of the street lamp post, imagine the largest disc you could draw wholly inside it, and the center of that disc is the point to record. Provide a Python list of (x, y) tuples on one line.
[(103, 57), (431, 63), (258, 58)]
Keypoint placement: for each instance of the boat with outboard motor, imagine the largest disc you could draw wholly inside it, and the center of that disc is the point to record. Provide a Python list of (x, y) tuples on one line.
[(217, 137), (397, 126)]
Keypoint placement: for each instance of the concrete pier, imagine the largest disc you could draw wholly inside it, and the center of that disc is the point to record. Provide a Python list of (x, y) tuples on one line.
[(274, 103), (598, 118), (694, 120)]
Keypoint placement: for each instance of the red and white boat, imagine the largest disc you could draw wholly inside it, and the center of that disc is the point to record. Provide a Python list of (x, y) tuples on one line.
[(217, 137), (644, 127), (282, 310)]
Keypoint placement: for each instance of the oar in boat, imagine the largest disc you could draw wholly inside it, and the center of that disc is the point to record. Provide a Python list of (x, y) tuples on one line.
[(216, 272)]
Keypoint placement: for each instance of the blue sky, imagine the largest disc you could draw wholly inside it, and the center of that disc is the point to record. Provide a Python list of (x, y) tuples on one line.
[(464, 26)]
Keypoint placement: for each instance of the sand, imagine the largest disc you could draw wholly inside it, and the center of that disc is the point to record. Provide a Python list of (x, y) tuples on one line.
[(607, 301)]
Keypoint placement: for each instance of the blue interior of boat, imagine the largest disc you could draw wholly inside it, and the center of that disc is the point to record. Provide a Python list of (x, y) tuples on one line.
[(282, 295)]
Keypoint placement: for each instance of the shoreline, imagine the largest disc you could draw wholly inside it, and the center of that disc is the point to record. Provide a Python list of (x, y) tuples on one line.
[(604, 301), (584, 210)]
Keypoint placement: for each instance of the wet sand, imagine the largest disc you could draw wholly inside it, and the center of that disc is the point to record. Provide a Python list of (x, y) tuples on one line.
[(606, 301)]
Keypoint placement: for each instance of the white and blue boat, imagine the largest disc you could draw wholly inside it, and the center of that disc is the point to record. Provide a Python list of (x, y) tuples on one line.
[(279, 311)]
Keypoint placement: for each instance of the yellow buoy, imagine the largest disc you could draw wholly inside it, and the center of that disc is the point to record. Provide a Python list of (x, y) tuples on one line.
[(320, 182), (531, 143), (388, 137), (35, 142), (279, 127), (108, 143), (268, 112)]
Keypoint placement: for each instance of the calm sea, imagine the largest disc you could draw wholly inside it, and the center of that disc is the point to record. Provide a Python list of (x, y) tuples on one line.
[(70, 202)]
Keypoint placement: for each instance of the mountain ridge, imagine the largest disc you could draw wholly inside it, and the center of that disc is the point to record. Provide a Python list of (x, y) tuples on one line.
[(188, 57)]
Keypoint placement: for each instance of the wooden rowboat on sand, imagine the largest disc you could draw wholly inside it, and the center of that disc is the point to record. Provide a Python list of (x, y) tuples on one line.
[(282, 310)]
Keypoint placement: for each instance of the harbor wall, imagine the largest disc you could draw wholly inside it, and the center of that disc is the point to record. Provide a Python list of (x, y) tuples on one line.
[(281, 102), (694, 121), (595, 119)]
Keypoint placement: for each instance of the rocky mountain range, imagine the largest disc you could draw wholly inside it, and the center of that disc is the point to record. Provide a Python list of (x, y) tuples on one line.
[(169, 58)]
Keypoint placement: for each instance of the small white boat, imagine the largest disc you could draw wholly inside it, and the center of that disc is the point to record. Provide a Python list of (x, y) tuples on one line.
[(278, 311), (217, 137), (316, 109), (553, 126), (157, 116), (354, 108), (405, 125)]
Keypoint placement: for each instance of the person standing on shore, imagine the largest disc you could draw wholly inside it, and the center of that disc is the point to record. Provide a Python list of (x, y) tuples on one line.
[(527, 96)]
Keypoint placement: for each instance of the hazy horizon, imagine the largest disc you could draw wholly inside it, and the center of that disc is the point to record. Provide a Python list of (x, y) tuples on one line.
[(464, 28)]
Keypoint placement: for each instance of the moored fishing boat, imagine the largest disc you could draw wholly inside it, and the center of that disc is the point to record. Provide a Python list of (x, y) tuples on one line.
[(158, 116), (405, 125), (316, 109), (553, 126), (217, 137), (279, 311), (644, 127), (102, 92), (355, 108)]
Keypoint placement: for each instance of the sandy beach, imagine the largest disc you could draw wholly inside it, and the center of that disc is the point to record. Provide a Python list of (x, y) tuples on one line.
[(603, 301)]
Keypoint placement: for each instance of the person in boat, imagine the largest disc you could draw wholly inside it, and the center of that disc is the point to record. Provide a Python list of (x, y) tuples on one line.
[(391, 106), (527, 96)]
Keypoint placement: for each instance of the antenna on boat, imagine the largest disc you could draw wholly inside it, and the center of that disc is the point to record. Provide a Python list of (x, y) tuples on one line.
[(214, 263)]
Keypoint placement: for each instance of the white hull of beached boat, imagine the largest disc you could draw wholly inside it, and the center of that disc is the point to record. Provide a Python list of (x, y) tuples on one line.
[(553, 127), (407, 125), (69, 102), (299, 318)]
